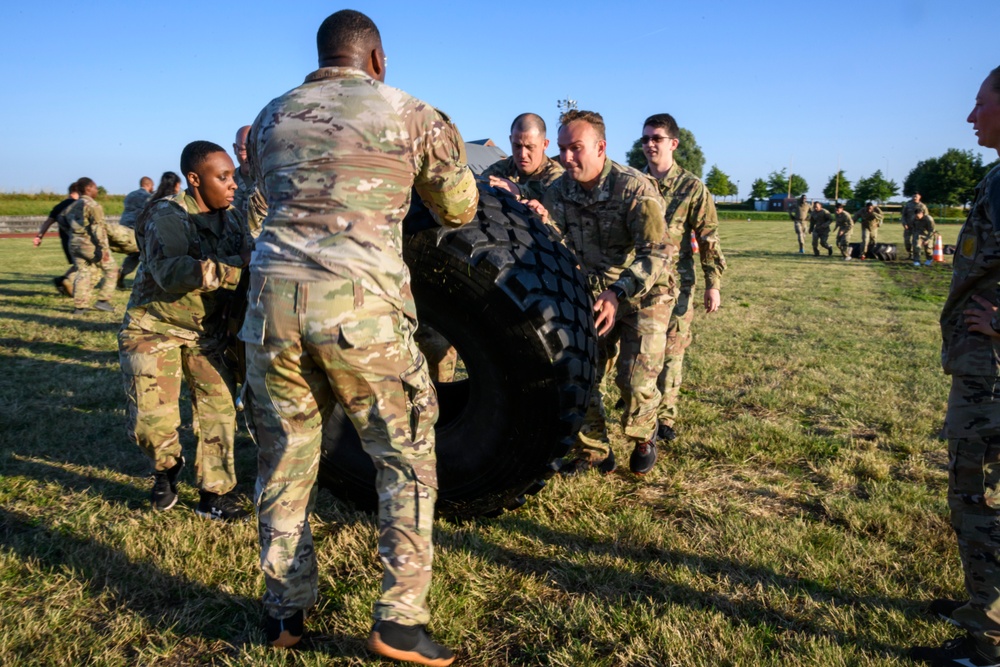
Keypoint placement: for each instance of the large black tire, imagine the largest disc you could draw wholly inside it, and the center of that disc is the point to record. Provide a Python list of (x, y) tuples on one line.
[(882, 251), (510, 299)]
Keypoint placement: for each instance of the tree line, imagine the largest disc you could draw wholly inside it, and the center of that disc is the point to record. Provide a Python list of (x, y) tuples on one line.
[(949, 180)]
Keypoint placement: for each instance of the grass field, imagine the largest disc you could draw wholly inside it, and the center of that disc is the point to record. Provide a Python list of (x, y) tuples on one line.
[(799, 518), (41, 204)]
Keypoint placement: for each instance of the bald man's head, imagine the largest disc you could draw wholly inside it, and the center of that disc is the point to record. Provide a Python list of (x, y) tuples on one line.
[(528, 143), (527, 122), (240, 146), (350, 39), (146, 183)]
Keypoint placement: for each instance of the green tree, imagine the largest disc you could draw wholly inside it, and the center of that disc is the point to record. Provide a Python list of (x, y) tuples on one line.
[(875, 188), (759, 190), (777, 184), (688, 154), (718, 182), (950, 179), (799, 185), (102, 191), (838, 190), (734, 190)]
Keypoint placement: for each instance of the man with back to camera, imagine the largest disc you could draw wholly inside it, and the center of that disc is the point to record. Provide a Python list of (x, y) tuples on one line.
[(63, 283), (331, 319), (690, 211), (528, 168), (613, 219)]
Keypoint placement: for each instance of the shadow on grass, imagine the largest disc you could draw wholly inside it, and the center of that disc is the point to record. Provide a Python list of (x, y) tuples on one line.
[(84, 322)]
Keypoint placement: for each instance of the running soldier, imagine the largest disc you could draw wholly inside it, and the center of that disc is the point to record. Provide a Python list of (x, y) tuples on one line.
[(798, 211), (89, 248), (870, 217), (845, 225), (819, 227), (63, 283), (331, 320)]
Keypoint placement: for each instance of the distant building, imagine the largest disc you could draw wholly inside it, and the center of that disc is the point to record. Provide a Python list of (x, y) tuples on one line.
[(779, 202), (482, 153)]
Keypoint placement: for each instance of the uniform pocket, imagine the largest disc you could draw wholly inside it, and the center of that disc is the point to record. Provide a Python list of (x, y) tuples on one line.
[(371, 331)]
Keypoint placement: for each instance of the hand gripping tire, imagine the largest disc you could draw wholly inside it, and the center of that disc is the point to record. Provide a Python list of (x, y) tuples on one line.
[(510, 299)]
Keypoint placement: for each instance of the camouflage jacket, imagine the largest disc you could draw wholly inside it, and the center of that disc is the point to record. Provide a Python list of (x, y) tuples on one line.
[(691, 209), (135, 201), (85, 221), (924, 225), (869, 220), (190, 266), (336, 159), (532, 186), (250, 203), (617, 230), (976, 271), (799, 211), (844, 221), (909, 212), (819, 221)]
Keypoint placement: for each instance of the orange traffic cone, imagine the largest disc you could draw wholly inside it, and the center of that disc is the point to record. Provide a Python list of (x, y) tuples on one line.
[(938, 254), (694, 243)]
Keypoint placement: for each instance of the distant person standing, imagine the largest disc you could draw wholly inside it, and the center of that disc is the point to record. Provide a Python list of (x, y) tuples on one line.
[(907, 218), (798, 211), (845, 225), (923, 233), (528, 168), (135, 201), (819, 227), (121, 236), (870, 217), (63, 283), (249, 201), (970, 353), (90, 250)]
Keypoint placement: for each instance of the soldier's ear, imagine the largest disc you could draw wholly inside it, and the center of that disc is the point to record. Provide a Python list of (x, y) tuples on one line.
[(602, 147), (193, 179)]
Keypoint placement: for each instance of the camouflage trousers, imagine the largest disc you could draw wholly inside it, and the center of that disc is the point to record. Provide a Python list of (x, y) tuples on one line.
[(678, 340), (90, 266), (441, 356), (640, 339), (821, 237), (800, 233), (152, 367), (869, 237), (844, 241), (973, 429), (921, 242), (908, 229), (309, 346)]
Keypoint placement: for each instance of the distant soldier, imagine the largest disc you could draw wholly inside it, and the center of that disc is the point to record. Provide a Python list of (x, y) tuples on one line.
[(845, 225), (331, 320), (870, 217), (249, 202), (798, 211), (90, 250), (531, 171), (906, 218), (63, 283), (690, 214), (121, 236), (923, 233), (613, 219), (819, 226), (193, 249)]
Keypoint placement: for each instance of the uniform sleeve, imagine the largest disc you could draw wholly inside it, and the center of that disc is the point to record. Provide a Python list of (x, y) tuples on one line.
[(444, 181), (655, 251), (705, 224), (98, 226), (495, 169), (557, 217), (167, 257)]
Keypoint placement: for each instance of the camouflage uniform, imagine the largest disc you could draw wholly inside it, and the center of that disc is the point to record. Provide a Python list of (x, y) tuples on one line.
[(532, 186), (845, 225), (331, 318), (90, 251), (121, 239), (441, 356), (134, 202), (618, 232), (175, 326), (922, 233), (250, 203), (870, 222), (690, 209), (973, 420), (908, 218), (819, 225), (798, 211)]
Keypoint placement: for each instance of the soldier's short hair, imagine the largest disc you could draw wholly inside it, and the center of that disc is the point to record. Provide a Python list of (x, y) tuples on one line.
[(838, 205), (195, 153), (346, 28), (664, 121), (83, 183), (868, 203), (591, 117), (527, 122), (144, 180), (72, 189)]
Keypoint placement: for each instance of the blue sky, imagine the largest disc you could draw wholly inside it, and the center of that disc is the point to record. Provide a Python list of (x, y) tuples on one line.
[(114, 90)]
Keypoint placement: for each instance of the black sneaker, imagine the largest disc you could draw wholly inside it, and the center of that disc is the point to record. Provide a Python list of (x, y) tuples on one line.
[(164, 495), (620, 404), (608, 465), (408, 643), (284, 632), (964, 651), (105, 306), (829, 251), (944, 609), (58, 282), (643, 457), (575, 467), (220, 508), (80, 311), (665, 432)]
